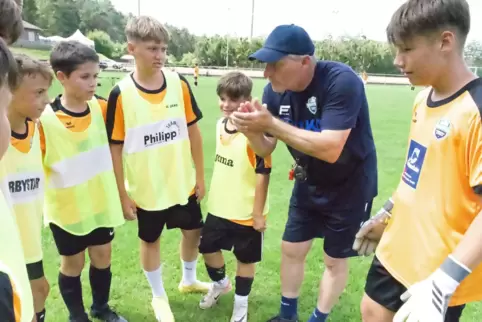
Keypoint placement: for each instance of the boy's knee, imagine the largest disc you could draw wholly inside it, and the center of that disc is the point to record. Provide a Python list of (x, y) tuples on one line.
[(371, 311), (246, 269), (192, 237), (72, 265), (100, 256), (336, 265)]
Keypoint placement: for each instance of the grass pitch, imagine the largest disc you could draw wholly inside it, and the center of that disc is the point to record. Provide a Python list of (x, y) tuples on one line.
[(390, 111)]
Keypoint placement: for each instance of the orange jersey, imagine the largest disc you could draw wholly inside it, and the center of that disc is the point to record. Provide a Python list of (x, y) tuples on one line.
[(115, 115), (23, 141), (10, 305), (76, 122), (438, 196)]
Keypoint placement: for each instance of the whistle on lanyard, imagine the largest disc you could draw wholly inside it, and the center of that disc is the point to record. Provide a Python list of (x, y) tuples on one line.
[(297, 172)]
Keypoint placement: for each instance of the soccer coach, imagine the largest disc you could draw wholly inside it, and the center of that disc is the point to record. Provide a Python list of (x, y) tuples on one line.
[(319, 109)]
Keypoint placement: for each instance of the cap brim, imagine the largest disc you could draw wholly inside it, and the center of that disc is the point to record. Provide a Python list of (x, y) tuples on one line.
[(267, 55)]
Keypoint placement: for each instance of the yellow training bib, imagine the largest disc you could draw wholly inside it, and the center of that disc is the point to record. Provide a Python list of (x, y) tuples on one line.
[(233, 183), (157, 152), (81, 189), (12, 261), (24, 178)]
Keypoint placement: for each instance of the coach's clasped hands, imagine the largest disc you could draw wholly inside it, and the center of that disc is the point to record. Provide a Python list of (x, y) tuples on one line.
[(252, 117)]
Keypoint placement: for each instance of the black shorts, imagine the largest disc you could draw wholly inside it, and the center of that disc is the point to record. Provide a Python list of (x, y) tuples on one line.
[(219, 233), (337, 228), (384, 289), (69, 244), (35, 270), (186, 217)]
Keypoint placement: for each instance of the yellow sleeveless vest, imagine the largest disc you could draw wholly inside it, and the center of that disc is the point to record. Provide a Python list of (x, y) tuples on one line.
[(157, 156), (12, 261), (233, 182), (81, 190), (24, 178)]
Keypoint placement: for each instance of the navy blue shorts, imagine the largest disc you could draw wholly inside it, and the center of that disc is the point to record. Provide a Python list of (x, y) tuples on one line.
[(337, 228)]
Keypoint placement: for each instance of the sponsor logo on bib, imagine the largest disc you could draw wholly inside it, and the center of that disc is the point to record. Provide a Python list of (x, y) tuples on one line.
[(170, 133)]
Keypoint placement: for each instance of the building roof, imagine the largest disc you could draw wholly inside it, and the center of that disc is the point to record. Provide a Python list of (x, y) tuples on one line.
[(28, 25)]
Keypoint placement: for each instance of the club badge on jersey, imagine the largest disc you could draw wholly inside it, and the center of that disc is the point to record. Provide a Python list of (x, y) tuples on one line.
[(311, 105)]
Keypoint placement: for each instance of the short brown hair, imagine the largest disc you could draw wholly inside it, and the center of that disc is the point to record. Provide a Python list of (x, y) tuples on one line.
[(235, 85), (422, 17), (11, 23), (8, 67), (146, 28), (28, 66), (67, 56)]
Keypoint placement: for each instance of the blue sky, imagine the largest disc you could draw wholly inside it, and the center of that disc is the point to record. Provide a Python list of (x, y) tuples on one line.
[(318, 17)]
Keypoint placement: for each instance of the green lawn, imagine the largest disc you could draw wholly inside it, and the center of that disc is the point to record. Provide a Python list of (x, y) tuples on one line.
[(390, 113), (41, 54)]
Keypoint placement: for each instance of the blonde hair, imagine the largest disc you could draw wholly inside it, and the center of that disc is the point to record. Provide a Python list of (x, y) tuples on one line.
[(146, 28), (28, 66)]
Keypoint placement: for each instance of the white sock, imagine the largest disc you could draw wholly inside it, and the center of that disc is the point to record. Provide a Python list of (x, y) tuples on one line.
[(189, 272), (155, 280), (222, 283), (240, 300)]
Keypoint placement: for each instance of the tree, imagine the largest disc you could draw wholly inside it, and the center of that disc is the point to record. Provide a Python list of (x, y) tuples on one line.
[(105, 26), (61, 16), (181, 41), (30, 11), (103, 43), (473, 53), (120, 49)]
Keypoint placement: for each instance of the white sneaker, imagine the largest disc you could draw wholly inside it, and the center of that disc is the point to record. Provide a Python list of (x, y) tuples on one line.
[(213, 295), (162, 310), (240, 312)]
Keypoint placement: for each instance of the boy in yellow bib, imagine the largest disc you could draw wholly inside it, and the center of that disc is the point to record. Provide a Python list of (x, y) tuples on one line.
[(16, 303), (24, 171), (152, 126), (82, 202), (237, 203)]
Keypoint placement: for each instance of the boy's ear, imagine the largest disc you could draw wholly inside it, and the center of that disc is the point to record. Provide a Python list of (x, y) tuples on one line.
[(61, 76), (130, 47)]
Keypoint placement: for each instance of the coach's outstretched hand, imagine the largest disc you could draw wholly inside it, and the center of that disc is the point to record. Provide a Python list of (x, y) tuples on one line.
[(370, 233)]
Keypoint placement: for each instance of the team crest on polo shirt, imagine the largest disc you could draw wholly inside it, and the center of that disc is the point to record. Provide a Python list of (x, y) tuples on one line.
[(442, 129), (311, 105)]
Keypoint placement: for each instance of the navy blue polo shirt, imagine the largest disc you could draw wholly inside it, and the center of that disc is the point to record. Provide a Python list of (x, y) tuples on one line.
[(334, 100)]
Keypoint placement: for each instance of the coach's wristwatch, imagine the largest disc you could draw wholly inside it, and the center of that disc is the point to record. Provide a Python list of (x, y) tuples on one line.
[(385, 213)]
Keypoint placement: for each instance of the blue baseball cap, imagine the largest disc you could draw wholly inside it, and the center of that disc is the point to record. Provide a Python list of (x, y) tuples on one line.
[(284, 40)]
